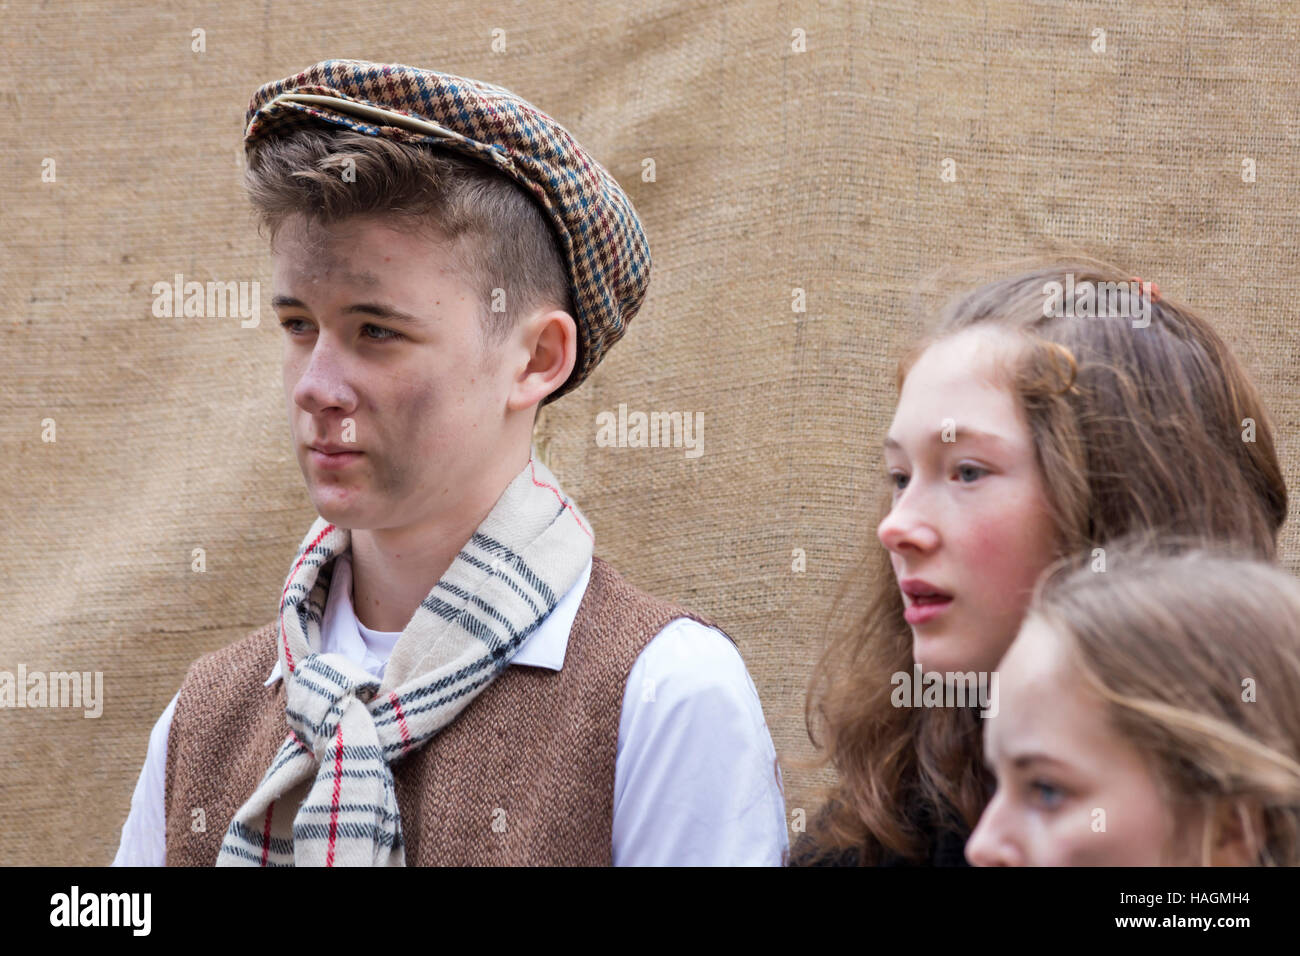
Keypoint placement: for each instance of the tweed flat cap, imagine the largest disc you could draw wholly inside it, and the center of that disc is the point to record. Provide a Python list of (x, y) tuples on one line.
[(598, 233)]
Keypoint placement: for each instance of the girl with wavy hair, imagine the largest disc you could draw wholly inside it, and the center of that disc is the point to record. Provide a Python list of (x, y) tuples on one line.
[(1046, 413)]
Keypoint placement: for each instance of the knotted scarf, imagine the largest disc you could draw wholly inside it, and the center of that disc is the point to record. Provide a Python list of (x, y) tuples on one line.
[(328, 797)]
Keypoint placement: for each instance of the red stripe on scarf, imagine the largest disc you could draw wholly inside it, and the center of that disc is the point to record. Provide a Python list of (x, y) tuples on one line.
[(338, 782), (567, 507), (305, 551), (401, 721)]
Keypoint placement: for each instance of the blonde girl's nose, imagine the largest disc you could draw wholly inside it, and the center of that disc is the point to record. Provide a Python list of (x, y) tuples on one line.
[(991, 843)]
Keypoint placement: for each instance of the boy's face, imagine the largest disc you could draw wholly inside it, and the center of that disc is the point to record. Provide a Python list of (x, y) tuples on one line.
[(419, 403)]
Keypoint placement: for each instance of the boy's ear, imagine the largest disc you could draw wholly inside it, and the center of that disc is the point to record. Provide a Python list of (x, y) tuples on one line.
[(549, 341)]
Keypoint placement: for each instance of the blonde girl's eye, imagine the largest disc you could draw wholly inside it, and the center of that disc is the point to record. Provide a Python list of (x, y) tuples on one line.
[(1046, 795)]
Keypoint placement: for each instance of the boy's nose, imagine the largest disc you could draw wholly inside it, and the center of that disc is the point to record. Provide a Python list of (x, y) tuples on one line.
[(322, 385)]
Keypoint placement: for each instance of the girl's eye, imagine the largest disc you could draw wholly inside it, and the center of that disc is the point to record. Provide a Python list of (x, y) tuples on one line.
[(970, 473), (1046, 795), (287, 323), (898, 480)]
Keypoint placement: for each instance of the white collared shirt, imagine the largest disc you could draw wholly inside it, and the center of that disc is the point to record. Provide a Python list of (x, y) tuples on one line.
[(696, 781)]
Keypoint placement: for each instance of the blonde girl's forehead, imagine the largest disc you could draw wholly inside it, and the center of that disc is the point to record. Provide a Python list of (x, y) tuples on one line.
[(1037, 654)]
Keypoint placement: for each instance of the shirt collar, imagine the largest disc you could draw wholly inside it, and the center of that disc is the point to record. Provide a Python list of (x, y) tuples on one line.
[(545, 647)]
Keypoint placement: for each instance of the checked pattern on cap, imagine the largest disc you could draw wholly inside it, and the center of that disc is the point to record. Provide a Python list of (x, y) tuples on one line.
[(599, 235)]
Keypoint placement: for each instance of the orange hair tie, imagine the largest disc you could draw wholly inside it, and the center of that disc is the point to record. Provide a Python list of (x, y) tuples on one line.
[(1155, 289)]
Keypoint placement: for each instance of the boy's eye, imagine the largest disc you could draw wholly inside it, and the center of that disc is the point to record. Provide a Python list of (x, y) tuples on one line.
[(969, 473), (388, 333), (385, 335)]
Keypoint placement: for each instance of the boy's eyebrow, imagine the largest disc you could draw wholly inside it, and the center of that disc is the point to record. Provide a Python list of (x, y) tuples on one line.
[(378, 310), (959, 434)]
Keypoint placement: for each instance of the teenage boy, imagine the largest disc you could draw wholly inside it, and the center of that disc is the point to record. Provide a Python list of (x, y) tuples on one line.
[(452, 677)]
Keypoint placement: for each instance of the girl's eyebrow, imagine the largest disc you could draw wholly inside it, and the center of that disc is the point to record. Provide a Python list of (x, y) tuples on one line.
[(960, 434), (1020, 761)]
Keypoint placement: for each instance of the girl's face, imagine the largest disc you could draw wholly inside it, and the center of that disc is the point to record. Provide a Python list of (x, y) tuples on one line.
[(970, 529), (1070, 790)]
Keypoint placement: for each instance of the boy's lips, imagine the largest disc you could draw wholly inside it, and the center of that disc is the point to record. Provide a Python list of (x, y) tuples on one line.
[(329, 449), (333, 459)]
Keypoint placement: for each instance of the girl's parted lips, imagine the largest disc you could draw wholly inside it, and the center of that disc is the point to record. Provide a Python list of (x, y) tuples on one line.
[(923, 592)]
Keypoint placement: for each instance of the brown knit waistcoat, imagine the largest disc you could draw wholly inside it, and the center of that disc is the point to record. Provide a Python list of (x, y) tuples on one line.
[(524, 776)]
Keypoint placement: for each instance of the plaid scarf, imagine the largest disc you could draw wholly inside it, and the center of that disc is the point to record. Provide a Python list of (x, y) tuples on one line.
[(328, 798)]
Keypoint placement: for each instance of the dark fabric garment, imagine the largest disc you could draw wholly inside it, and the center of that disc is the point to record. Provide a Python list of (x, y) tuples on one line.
[(947, 845)]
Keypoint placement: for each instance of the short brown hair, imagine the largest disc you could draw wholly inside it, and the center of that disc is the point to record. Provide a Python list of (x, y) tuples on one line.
[(497, 235)]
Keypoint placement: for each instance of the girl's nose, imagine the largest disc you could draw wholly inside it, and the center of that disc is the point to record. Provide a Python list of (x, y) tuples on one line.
[(906, 529), (992, 843)]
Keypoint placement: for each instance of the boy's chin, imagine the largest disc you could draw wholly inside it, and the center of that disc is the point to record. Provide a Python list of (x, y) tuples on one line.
[(344, 511)]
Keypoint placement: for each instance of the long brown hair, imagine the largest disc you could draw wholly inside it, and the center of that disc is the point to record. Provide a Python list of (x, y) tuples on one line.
[(1135, 429), (1196, 656)]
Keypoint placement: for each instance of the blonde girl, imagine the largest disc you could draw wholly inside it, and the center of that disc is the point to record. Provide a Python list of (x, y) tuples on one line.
[(1150, 716)]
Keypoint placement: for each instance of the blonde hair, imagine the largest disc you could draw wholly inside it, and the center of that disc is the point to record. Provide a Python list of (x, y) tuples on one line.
[(1134, 429), (1196, 656)]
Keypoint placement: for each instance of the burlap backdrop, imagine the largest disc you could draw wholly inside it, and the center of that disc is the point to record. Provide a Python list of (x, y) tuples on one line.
[(774, 170)]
